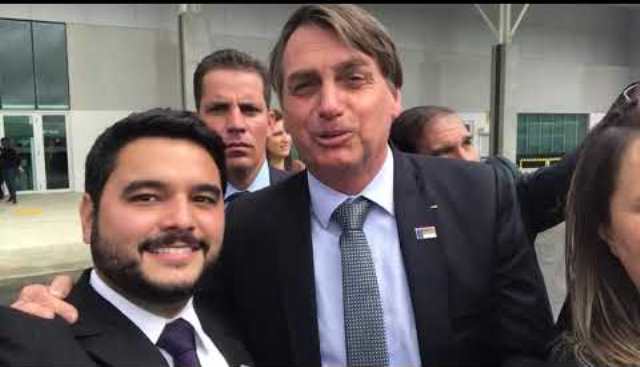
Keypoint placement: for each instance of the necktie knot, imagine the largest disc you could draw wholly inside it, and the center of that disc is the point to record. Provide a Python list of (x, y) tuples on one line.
[(350, 215), (178, 339)]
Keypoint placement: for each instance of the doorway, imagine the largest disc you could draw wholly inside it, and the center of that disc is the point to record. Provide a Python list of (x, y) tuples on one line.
[(42, 145)]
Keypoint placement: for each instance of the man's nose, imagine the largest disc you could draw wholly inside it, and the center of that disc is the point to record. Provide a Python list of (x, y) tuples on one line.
[(330, 101), (178, 214), (235, 120)]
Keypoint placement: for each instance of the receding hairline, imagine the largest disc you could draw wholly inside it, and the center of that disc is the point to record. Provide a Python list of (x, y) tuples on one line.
[(357, 57)]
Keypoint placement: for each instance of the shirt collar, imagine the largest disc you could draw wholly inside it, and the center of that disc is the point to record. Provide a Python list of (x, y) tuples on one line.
[(261, 181), (325, 200), (150, 324)]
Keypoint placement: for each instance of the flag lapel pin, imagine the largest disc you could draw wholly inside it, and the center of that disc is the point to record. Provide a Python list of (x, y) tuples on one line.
[(426, 233)]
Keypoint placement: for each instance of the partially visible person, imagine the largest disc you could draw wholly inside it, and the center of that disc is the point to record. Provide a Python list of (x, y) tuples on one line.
[(232, 95), (621, 116), (153, 215), (433, 130), (603, 250), (440, 131), (279, 146), (9, 164)]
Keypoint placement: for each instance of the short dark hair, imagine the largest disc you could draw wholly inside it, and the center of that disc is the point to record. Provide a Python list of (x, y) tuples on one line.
[(158, 122), (407, 128), (229, 59), (352, 25)]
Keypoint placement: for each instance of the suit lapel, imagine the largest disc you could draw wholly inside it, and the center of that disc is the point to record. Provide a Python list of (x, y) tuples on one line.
[(221, 334), (295, 266), (108, 336), (424, 259)]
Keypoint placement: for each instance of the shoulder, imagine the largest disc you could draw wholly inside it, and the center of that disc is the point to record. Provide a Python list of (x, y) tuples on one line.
[(277, 175), (445, 173), (30, 341)]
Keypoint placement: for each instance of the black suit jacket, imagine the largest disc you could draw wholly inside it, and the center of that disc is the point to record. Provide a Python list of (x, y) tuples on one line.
[(277, 175), (541, 194), (111, 339), (477, 292), (29, 341)]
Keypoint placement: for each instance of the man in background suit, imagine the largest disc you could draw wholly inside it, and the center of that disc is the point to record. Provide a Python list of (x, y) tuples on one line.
[(440, 131), (441, 273), (153, 215), (233, 96)]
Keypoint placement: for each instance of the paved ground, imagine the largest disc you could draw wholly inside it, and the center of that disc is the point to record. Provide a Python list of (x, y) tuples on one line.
[(41, 236)]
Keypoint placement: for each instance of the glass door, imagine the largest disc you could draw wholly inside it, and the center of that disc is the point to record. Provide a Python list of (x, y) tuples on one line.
[(41, 142), (20, 129), (56, 159)]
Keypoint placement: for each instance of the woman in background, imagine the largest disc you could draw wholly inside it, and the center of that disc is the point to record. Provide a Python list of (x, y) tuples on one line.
[(279, 147), (603, 244)]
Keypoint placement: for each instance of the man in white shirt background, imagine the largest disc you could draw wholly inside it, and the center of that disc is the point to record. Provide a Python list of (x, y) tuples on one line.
[(233, 95)]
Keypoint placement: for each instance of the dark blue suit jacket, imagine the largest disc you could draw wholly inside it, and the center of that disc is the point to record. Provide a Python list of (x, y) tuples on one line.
[(477, 291)]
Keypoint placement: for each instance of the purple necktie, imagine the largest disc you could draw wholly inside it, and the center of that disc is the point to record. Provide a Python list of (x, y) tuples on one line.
[(178, 340)]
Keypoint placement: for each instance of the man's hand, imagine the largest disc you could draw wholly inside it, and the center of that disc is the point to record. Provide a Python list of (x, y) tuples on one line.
[(47, 302)]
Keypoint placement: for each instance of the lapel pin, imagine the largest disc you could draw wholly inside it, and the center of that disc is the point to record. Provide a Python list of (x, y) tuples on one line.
[(426, 233)]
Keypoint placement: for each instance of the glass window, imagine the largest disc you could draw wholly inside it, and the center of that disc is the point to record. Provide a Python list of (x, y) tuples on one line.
[(55, 151), (50, 55), (548, 135), (16, 65)]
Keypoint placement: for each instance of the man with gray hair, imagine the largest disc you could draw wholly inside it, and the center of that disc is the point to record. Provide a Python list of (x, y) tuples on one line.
[(387, 265)]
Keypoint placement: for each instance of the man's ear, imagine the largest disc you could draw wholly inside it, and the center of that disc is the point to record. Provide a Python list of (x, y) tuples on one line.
[(397, 104), (86, 217)]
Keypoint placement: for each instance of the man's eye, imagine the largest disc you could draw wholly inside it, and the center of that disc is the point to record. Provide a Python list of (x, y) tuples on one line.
[(301, 88), (250, 111), (356, 79), (218, 109), (144, 198), (205, 199)]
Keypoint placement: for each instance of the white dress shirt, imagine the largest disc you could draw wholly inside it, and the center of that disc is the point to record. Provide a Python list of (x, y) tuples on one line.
[(382, 235), (261, 181), (152, 325)]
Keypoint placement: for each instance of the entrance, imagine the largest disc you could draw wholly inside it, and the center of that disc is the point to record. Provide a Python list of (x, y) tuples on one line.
[(41, 142)]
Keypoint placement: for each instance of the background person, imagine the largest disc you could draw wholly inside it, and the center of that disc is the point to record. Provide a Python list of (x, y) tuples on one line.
[(279, 145), (9, 164), (232, 95), (441, 132)]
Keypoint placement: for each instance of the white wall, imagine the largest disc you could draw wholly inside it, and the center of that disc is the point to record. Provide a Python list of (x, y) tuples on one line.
[(152, 16), (85, 126)]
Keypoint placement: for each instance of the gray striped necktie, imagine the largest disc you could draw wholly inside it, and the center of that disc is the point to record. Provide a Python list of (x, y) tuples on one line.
[(363, 317)]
